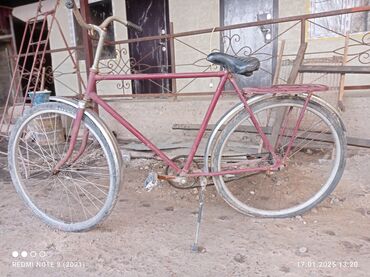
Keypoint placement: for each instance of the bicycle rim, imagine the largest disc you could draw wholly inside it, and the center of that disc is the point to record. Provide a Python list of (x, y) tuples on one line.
[(84, 191), (315, 164)]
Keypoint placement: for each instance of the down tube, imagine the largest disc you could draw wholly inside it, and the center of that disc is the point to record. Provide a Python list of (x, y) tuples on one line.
[(134, 131), (206, 119)]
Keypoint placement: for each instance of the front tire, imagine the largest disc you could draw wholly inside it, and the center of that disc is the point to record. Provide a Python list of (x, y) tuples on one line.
[(84, 192)]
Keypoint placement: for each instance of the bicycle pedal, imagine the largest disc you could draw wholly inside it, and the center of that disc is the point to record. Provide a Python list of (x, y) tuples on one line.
[(151, 181)]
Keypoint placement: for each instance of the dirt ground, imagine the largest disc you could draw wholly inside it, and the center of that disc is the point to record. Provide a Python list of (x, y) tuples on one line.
[(150, 234)]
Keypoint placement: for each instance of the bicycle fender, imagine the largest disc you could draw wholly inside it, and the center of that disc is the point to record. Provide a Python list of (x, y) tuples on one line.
[(322, 102)]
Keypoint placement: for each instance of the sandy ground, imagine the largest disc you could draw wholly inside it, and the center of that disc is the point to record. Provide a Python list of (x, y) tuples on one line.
[(150, 234)]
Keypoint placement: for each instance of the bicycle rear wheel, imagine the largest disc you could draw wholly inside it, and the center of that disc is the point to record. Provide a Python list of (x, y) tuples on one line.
[(85, 190), (315, 165)]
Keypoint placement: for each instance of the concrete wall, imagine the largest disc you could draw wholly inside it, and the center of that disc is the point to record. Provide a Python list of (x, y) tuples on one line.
[(154, 117)]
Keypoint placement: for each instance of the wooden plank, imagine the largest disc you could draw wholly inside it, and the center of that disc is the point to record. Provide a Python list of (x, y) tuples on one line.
[(344, 69), (249, 24), (164, 146), (297, 64), (359, 142), (6, 37), (303, 30), (360, 87), (210, 127), (279, 62), (291, 80), (342, 75), (173, 64), (352, 141)]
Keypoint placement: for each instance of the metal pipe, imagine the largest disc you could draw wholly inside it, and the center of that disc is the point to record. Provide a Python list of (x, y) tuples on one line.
[(135, 132), (75, 130), (295, 130), (156, 76), (205, 121), (230, 27), (250, 24)]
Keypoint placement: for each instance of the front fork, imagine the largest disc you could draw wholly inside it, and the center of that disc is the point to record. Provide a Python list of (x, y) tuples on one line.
[(76, 123)]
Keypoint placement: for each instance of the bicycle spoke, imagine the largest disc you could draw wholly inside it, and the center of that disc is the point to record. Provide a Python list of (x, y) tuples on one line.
[(78, 192), (297, 185), (86, 172)]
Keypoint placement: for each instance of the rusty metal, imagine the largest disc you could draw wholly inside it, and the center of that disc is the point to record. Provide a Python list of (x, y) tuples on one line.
[(298, 18), (250, 24), (246, 50), (41, 61), (166, 177), (15, 73), (32, 76), (115, 97), (291, 89)]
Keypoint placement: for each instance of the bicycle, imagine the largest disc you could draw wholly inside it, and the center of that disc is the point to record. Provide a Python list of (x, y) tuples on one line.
[(66, 164)]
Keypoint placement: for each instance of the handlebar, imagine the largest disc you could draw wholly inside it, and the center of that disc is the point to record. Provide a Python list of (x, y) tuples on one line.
[(70, 4), (110, 19)]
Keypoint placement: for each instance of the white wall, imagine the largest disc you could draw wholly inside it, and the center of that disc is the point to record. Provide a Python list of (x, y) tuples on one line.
[(188, 16)]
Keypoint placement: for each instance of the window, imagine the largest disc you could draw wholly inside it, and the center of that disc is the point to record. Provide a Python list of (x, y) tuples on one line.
[(99, 11), (353, 23)]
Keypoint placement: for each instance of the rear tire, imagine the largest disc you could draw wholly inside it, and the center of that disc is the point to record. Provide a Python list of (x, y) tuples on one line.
[(315, 165)]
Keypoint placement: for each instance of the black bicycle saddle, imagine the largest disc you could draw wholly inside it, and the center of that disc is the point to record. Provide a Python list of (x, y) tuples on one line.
[(239, 65)]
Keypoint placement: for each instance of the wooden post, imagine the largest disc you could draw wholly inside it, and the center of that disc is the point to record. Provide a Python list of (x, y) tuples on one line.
[(297, 63), (279, 62), (343, 75), (303, 31), (173, 62), (85, 12), (291, 80), (42, 83), (14, 45)]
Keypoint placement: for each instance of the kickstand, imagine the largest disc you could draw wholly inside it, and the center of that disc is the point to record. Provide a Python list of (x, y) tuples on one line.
[(203, 185)]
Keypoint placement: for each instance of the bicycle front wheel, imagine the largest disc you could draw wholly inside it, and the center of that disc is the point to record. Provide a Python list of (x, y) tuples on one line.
[(314, 166), (85, 189)]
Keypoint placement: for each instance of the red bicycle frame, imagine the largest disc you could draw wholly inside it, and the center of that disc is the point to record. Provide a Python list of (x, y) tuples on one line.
[(224, 76)]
